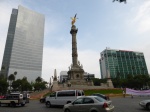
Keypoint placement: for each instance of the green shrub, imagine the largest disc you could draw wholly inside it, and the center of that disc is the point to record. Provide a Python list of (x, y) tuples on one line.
[(103, 91)]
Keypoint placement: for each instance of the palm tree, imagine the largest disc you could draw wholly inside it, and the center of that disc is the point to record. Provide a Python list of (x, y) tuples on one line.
[(15, 73), (11, 78)]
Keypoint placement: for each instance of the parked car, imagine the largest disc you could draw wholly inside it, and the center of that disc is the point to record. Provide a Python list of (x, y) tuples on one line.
[(2, 97), (89, 104), (145, 104), (13, 100), (26, 95), (101, 95), (60, 98), (42, 100)]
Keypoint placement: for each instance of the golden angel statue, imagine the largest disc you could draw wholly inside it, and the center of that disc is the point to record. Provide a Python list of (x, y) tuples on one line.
[(74, 19)]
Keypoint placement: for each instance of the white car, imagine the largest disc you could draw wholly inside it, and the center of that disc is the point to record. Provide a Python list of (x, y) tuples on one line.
[(89, 104), (145, 104)]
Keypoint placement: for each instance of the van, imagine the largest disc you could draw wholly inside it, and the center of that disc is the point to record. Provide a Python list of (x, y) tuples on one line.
[(60, 98)]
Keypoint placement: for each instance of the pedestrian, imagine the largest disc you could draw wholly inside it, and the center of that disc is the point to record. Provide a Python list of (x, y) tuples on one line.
[(123, 94), (131, 96)]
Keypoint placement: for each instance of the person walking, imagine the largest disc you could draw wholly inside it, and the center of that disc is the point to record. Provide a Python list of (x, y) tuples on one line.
[(123, 94), (131, 96)]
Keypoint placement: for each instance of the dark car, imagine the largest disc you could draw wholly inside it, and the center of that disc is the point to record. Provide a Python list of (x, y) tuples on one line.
[(42, 100), (2, 97), (101, 95)]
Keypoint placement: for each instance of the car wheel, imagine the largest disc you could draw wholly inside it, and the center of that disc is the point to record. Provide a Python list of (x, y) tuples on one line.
[(93, 111), (68, 102), (148, 106), (41, 101), (22, 105), (13, 104), (48, 104), (67, 110)]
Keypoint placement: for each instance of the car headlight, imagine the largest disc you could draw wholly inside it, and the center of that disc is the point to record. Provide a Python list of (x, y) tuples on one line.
[(142, 103)]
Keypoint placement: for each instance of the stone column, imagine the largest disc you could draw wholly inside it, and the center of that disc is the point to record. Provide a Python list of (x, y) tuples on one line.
[(74, 45)]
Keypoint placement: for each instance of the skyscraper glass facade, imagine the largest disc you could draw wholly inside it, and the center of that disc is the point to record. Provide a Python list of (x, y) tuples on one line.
[(122, 63), (24, 45)]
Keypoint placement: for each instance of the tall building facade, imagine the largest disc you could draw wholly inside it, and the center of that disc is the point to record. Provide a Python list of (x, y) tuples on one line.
[(24, 45), (121, 63)]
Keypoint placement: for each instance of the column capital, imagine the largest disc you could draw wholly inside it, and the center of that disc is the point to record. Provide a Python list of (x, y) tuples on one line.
[(73, 29)]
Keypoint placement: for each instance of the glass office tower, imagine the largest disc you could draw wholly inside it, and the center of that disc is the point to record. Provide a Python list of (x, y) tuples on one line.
[(24, 45), (122, 63)]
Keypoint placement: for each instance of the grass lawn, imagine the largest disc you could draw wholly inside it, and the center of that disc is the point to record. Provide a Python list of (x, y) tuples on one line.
[(110, 92), (103, 91)]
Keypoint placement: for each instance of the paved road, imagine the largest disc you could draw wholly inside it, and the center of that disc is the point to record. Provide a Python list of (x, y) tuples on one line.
[(33, 106), (128, 104), (121, 105)]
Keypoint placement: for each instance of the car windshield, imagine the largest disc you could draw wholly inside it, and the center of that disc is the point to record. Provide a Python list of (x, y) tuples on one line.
[(100, 99), (53, 94)]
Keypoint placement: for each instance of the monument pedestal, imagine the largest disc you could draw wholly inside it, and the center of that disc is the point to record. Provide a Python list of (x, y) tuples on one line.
[(109, 83), (55, 86), (77, 82), (76, 76)]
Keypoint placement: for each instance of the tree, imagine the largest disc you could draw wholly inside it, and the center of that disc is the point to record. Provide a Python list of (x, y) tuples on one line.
[(38, 79), (136, 82), (21, 85), (117, 80), (17, 85), (39, 84), (15, 73), (3, 85), (25, 84), (11, 77), (97, 81)]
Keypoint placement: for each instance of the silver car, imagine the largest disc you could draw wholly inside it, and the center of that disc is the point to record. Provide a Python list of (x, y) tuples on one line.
[(145, 104), (89, 104)]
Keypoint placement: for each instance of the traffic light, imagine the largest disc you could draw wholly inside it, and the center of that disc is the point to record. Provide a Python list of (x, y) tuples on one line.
[(120, 1)]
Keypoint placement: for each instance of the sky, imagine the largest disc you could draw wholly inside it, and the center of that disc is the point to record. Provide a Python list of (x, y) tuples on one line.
[(100, 23)]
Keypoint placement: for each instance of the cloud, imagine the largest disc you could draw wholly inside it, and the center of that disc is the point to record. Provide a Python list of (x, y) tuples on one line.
[(6, 9), (142, 17), (5, 13), (51, 25), (4, 20), (2, 45), (90, 61)]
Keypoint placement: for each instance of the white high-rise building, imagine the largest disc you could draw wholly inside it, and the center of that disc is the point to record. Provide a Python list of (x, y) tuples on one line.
[(24, 45)]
